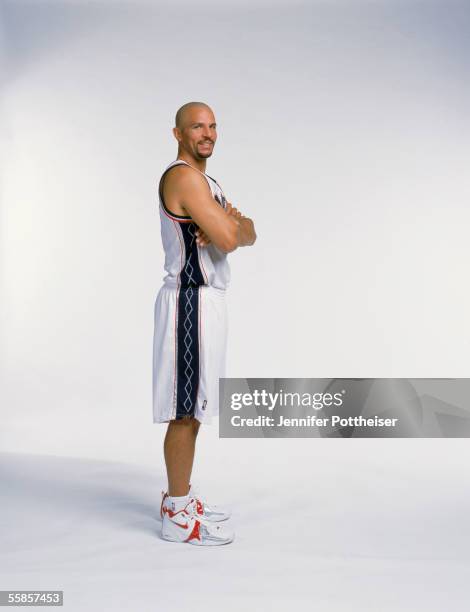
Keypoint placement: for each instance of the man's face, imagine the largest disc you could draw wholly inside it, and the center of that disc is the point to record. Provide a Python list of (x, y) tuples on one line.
[(199, 133)]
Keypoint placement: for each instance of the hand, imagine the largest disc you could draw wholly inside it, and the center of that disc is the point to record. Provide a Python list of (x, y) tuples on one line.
[(234, 212), (202, 239)]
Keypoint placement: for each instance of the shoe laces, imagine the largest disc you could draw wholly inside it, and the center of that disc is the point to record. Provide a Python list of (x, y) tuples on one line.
[(195, 506)]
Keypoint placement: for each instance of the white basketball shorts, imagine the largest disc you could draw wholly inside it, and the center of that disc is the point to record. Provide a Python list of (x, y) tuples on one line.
[(189, 352)]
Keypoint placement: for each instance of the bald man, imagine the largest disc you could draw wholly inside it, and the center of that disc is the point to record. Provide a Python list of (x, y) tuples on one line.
[(199, 228)]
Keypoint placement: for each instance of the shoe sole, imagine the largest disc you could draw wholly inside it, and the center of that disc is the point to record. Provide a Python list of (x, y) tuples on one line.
[(198, 543)]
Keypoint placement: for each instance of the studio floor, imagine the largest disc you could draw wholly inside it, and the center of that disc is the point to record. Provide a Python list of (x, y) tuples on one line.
[(344, 537)]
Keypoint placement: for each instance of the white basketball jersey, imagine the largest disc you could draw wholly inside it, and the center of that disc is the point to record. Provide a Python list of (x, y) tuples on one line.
[(186, 263)]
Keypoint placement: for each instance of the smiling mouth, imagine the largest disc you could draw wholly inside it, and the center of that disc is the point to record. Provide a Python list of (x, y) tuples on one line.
[(206, 144)]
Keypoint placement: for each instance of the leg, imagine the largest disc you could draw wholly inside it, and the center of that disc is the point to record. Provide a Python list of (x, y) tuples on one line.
[(179, 447)]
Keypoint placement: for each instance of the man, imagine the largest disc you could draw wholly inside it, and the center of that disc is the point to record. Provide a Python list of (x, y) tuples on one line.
[(199, 228)]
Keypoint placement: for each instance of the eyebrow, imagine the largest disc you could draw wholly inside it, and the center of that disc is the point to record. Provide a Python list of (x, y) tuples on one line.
[(200, 123)]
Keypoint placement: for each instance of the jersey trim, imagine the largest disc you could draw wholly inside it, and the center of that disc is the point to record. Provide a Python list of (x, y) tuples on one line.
[(179, 219), (162, 201), (167, 211), (215, 182)]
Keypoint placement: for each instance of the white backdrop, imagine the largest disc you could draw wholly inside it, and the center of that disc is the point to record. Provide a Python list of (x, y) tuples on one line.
[(343, 132)]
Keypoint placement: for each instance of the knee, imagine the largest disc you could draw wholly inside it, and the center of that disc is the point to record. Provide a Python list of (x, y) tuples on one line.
[(190, 422), (195, 424)]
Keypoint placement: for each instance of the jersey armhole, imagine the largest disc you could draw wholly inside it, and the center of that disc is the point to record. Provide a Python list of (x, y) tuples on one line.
[(160, 191)]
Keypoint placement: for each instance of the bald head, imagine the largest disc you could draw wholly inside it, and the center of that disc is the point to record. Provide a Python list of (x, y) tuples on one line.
[(183, 114), (195, 131)]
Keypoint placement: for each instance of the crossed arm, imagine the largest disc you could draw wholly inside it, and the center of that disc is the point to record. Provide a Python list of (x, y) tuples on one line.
[(246, 229), (226, 228)]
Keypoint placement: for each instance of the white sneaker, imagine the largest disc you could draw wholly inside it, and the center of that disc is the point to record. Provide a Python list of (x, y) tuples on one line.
[(211, 512), (187, 525)]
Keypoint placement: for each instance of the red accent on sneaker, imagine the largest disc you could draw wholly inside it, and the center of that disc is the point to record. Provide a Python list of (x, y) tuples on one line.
[(199, 507), (171, 514), (194, 535), (185, 526), (162, 507)]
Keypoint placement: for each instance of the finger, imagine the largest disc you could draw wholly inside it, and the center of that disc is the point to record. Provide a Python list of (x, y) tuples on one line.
[(203, 239)]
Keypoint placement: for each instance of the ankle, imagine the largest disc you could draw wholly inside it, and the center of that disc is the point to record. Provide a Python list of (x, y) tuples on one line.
[(178, 492), (177, 502)]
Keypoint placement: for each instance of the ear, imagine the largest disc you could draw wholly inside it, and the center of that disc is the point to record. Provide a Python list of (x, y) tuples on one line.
[(177, 134)]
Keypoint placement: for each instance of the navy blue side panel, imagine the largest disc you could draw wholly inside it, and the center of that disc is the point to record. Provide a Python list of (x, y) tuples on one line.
[(191, 274), (188, 326), (188, 352)]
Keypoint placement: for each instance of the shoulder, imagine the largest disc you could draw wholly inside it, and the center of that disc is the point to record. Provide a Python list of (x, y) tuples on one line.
[(182, 177)]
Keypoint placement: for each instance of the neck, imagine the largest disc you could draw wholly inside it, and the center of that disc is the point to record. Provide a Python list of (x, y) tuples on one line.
[(200, 164)]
